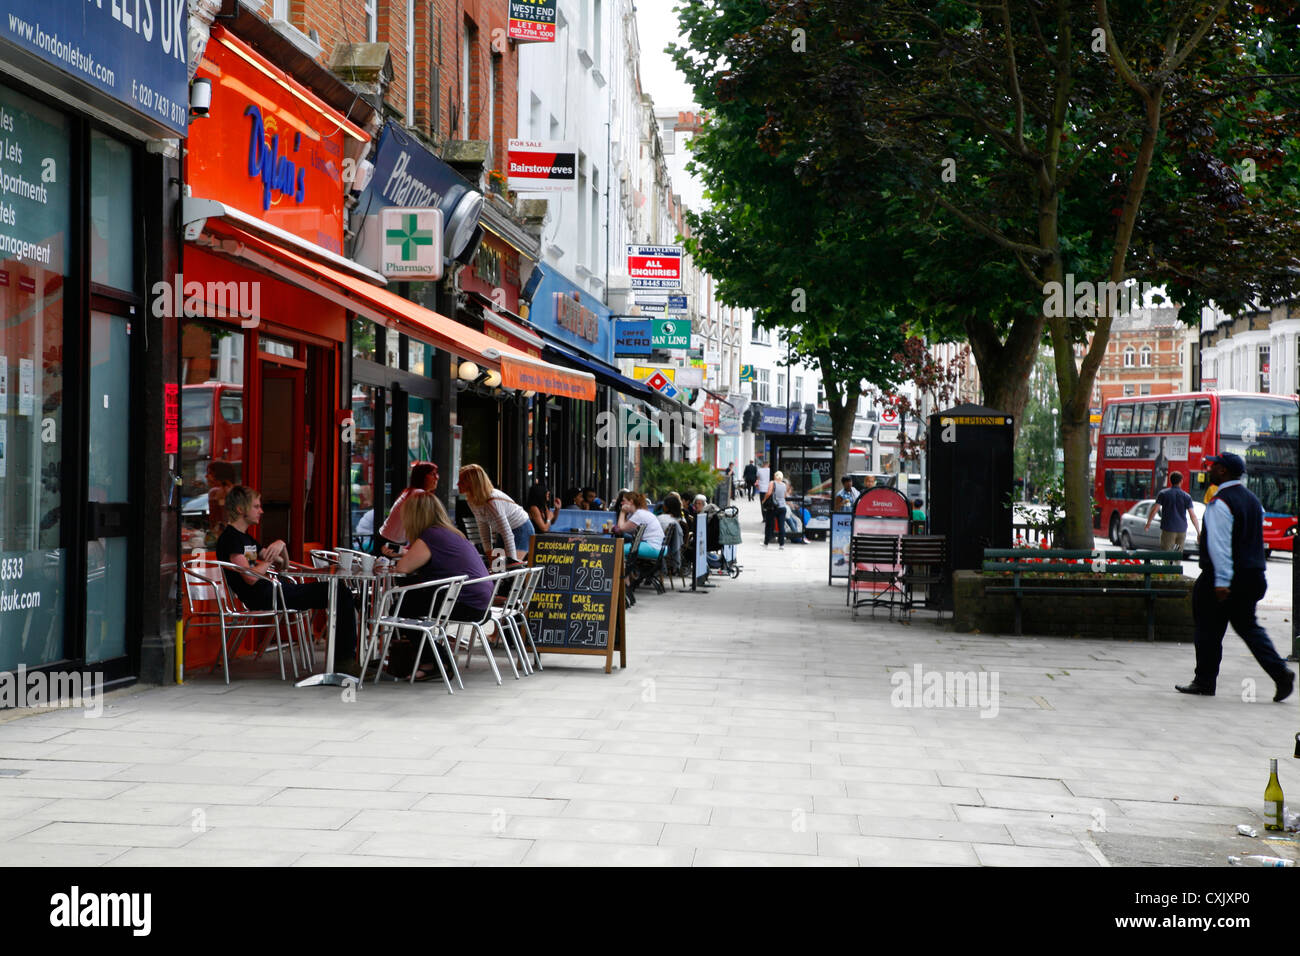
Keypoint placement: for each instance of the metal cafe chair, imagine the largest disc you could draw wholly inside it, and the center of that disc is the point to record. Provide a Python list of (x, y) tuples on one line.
[(433, 628), (879, 552), (922, 558), (205, 583), (477, 629), (534, 576), (506, 615)]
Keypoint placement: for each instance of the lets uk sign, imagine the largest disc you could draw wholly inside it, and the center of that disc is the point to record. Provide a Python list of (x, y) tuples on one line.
[(655, 267), (133, 51)]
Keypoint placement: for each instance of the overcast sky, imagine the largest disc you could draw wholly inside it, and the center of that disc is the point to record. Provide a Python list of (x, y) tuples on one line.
[(657, 27)]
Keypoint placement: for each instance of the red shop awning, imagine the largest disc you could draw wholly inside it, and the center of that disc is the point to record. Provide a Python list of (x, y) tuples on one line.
[(353, 292)]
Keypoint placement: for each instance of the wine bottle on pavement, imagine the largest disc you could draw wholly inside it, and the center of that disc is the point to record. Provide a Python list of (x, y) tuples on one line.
[(1273, 819)]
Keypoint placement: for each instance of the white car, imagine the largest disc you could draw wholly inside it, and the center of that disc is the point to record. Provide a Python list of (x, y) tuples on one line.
[(1134, 535)]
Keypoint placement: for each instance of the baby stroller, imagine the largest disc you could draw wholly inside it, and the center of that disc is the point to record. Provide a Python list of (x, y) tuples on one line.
[(724, 535)]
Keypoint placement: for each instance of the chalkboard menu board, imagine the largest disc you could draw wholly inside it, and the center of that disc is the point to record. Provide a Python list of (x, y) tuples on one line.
[(578, 605)]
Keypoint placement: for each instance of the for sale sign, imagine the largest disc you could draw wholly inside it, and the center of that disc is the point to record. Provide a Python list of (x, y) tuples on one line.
[(532, 21), (655, 267), (542, 166)]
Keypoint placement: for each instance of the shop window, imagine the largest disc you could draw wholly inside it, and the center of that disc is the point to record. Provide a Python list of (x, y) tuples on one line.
[(112, 225), (32, 320), (212, 427), (277, 347)]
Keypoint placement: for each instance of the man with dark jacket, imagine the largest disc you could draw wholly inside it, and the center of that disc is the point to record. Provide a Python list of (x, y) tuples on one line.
[(1232, 580), (751, 476)]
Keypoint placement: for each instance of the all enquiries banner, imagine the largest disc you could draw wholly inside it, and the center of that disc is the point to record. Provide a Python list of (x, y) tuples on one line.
[(655, 267)]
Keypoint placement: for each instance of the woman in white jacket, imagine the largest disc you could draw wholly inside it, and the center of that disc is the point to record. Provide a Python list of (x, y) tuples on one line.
[(497, 515)]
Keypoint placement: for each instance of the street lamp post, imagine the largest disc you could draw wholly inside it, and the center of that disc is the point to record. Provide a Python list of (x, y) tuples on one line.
[(1055, 435)]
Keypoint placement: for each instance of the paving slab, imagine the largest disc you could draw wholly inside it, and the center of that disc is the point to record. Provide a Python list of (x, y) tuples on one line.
[(758, 724)]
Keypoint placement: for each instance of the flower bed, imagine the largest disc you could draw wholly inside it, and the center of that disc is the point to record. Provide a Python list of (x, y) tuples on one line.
[(1102, 610)]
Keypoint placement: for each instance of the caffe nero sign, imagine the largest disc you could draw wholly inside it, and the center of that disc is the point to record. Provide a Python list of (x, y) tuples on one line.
[(133, 51)]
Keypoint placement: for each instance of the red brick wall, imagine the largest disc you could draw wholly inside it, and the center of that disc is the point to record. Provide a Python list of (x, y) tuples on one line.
[(340, 21)]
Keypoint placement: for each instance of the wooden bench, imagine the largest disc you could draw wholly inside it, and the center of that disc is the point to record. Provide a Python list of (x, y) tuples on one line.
[(1105, 564)]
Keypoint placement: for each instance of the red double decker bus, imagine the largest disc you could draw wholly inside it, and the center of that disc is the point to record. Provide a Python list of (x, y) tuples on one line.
[(1144, 439)]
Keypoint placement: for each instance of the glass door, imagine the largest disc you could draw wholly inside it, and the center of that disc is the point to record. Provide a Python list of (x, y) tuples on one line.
[(108, 505), (283, 457)]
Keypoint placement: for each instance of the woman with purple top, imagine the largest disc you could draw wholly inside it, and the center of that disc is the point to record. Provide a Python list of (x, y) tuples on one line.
[(439, 550)]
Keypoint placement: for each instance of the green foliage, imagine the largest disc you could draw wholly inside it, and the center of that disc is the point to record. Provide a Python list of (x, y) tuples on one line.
[(687, 478)]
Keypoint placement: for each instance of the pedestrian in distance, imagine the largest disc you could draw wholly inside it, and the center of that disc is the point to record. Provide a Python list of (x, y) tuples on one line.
[(751, 478), (777, 490), (847, 496), (1232, 581), (1175, 510)]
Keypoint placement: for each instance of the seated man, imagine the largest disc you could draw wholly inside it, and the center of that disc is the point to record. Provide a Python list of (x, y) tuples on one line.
[(236, 546)]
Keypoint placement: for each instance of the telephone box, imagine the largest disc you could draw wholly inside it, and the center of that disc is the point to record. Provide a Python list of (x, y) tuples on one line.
[(971, 471)]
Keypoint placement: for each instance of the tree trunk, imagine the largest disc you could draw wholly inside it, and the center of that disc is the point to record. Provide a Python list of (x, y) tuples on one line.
[(842, 400), (1075, 440), (1005, 367)]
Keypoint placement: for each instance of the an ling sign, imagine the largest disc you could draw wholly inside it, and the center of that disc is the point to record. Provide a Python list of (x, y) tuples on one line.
[(655, 267)]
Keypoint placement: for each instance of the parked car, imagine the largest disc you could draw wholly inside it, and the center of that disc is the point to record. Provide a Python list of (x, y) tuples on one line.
[(1133, 535)]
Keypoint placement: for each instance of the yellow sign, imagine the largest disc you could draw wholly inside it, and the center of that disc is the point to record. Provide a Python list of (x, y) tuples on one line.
[(643, 372), (975, 420)]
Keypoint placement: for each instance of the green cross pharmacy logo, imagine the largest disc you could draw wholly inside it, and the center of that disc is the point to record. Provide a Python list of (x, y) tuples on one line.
[(409, 236)]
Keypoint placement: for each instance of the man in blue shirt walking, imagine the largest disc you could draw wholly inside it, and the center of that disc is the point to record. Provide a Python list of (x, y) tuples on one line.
[(1232, 581), (1175, 508)]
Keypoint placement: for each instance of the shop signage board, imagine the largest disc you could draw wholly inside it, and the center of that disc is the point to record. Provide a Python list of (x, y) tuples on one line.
[(655, 267), (578, 605), (748, 374), (841, 533), (701, 548), (632, 338), (412, 243), (267, 149), (660, 383), (671, 334), (532, 21), (171, 419), (879, 511), (542, 166), (133, 53), (668, 304)]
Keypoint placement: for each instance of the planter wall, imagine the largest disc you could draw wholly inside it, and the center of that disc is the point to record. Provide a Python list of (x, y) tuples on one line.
[(1108, 615)]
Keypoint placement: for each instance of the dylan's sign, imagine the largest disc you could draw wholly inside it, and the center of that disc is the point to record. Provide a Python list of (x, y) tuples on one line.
[(269, 148)]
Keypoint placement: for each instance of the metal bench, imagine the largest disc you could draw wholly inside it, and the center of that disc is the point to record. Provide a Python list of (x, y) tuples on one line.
[(1106, 564)]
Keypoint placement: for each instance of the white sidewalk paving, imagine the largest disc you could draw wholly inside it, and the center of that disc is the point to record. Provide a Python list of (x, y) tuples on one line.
[(756, 724)]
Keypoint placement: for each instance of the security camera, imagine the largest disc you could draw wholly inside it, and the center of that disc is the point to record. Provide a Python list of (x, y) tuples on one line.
[(200, 98)]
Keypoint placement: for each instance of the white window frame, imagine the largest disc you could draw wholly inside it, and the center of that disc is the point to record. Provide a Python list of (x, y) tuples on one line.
[(464, 84), (410, 62), (372, 21), (1144, 357), (1130, 357)]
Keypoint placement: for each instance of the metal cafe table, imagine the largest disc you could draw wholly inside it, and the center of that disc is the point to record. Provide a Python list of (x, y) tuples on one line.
[(376, 580)]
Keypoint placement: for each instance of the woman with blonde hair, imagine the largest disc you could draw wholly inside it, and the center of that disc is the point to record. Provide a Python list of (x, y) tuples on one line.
[(776, 492), (496, 513)]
